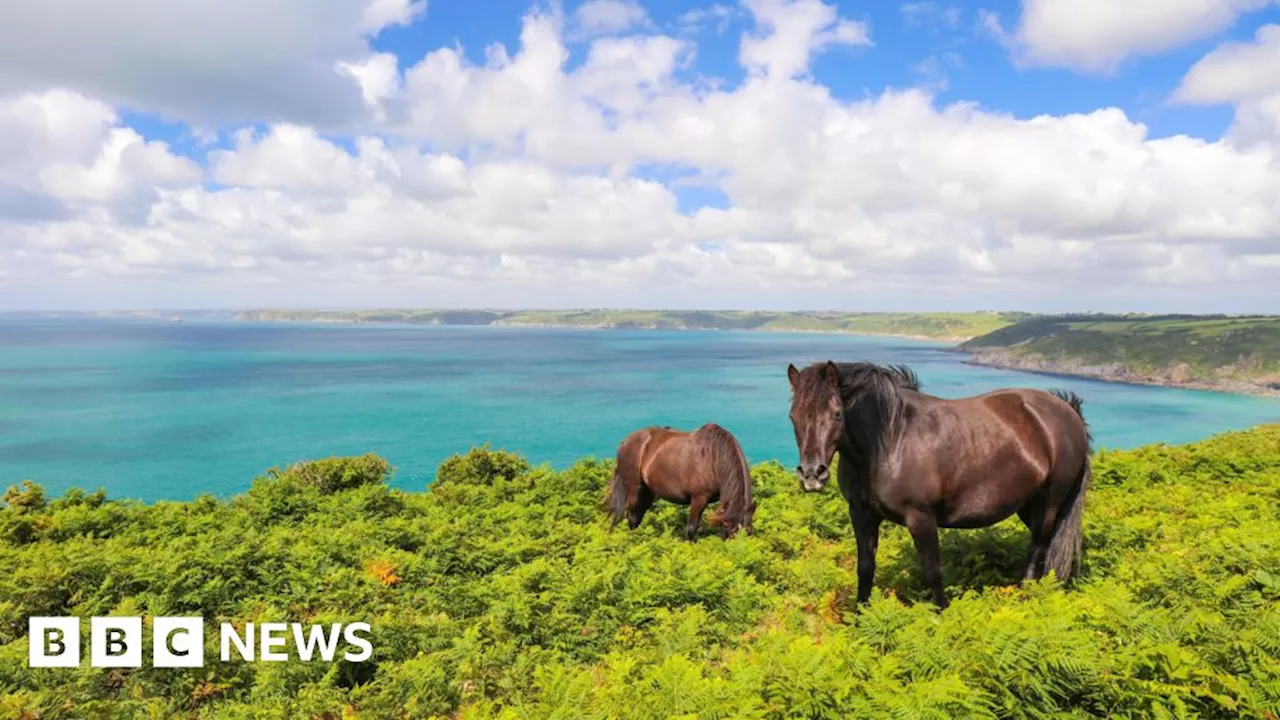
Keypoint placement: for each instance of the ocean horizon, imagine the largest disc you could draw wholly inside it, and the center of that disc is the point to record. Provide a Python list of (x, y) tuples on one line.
[(152, 410)]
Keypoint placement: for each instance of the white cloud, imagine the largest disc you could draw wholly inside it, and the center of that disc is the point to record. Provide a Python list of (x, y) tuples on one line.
[(61, 151), (791, 31), (1246, 75), (206, 62), (380, 14), (1236, 72), (930, 13), (1257, 123), (1098, 35), (527, 180), (606, 17), (379, 79), (290, 158), (529, 104), (935, 70), (716, 16)]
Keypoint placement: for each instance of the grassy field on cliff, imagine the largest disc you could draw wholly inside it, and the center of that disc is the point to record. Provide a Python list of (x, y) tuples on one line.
[(500, 593), (1211, 347)]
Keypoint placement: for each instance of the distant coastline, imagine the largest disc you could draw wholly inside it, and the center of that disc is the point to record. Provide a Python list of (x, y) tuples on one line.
[(937, 327), (945, 339), (1230, 354)]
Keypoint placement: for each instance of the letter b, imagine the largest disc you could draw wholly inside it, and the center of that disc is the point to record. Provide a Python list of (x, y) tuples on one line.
[(115, 642), (53, 642)]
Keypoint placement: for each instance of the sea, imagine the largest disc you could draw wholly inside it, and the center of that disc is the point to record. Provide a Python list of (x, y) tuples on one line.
[(153, 410)]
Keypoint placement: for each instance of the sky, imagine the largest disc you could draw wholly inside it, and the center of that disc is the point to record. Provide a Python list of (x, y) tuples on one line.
[(1042, 155)]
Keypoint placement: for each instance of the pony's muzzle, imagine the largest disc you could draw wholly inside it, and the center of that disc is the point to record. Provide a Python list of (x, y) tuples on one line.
[(813, 477)]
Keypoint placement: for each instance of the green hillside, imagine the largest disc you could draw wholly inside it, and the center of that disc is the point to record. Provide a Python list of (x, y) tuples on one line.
[(928, 325), (500, 593), (1229, 352)]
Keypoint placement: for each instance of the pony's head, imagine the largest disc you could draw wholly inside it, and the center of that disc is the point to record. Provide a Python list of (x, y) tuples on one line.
[(736, 508), (821, 396), (817, 416), (730, 527)]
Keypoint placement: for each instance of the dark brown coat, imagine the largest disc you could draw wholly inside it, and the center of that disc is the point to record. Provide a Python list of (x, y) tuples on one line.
[(927, 462)]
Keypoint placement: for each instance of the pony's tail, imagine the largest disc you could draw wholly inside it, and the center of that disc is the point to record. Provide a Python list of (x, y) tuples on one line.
[(1066, 549), (616, 502), (1077, 404)]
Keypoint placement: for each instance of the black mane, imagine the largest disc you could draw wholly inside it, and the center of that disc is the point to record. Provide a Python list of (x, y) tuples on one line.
[(856, 376)]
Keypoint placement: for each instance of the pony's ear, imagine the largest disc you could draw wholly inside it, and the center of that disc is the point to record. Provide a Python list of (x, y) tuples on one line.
[(793, 375), (833, 375)]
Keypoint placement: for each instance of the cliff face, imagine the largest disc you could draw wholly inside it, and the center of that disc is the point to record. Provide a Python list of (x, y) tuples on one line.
[(1224, 379)]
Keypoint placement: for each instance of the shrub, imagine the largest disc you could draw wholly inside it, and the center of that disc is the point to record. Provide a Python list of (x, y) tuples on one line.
[(338, 473), (501, 593)]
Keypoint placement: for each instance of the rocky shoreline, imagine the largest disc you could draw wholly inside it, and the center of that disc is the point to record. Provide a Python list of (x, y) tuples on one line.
[(1179, 375)]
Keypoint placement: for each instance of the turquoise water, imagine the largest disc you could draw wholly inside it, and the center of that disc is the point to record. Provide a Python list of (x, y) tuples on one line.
[(152, 410)]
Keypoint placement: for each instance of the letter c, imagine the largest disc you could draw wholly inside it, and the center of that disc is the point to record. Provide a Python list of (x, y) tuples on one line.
[(168, 642)]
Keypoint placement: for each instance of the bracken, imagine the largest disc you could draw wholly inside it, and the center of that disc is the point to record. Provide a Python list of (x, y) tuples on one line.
[(514, 600)]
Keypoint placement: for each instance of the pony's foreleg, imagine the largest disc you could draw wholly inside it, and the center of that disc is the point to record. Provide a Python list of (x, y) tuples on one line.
[(638, 503), (697, 504), (924, 531), (866, 528)]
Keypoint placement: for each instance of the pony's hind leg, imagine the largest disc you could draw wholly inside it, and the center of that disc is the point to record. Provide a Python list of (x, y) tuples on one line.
[(697, 504), (638, 504), (1039, 519), (1035, 558)]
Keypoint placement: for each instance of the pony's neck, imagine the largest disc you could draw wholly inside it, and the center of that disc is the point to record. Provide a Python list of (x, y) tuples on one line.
[(873, 420)]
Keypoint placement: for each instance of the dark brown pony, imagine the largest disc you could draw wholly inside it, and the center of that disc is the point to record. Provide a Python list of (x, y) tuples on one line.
[(927, 462), (687, 468)]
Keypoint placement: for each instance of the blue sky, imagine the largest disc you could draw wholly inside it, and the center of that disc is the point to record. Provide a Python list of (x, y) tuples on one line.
[(940, 44), (906, 44)]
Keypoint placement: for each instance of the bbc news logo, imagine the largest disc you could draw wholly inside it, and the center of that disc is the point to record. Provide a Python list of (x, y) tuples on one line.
[(178, 642)]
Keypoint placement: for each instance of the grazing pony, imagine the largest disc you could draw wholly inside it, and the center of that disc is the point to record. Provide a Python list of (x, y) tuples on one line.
[(927, 462), (687, 468)]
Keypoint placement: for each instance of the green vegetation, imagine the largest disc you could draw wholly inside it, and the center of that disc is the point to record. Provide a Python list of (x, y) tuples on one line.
[(950, 326), (1215, 351), (500, 593)]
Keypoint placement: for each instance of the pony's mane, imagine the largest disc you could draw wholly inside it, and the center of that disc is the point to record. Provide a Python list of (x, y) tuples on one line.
[(728, 462), (859, 374)]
